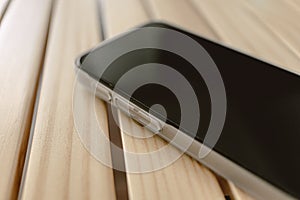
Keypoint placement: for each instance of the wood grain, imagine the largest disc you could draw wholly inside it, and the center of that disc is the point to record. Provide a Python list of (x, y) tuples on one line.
[(59, 165), (230, 190), (181, 13), (239, 27), (237, 193), (275, 18), (129, 18), (22, 42), (185, 178)]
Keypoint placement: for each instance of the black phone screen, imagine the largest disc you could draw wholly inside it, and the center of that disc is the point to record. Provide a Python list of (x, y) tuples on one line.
[(262, 127)]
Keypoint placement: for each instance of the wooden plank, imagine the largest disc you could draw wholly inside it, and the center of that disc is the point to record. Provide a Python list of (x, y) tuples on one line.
[(22, 42), (295, 4), (182, 13), (59, 165), (238, 27), (232, 191), (237, 193), (130, 17), (275, 15), (185, 178)]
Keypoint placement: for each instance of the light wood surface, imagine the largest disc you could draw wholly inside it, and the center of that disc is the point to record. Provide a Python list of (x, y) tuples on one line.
[(282, 20), (59, 165), (173, 12), (22, 43), (231, 191)]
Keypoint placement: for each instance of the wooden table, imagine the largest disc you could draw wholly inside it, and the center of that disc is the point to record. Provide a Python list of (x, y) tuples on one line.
[(41, 156)]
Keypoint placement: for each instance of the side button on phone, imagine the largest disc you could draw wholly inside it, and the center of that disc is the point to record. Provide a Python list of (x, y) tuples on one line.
[(138, 115), (145, 120), (103, 93)]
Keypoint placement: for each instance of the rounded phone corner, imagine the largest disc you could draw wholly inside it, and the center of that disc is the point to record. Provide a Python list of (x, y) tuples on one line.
[(79, 59)]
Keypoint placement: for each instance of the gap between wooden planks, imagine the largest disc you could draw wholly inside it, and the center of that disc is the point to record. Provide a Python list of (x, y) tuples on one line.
[(59, 167), (117, 19), (22, 43), (248, 32), (185, 178)]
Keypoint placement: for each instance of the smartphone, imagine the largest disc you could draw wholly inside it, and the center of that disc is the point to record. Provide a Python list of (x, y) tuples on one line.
[(258, 148)]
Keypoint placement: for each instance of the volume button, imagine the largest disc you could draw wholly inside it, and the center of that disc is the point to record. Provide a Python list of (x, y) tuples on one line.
[(146, 120), (138, 115), (103, 93)]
